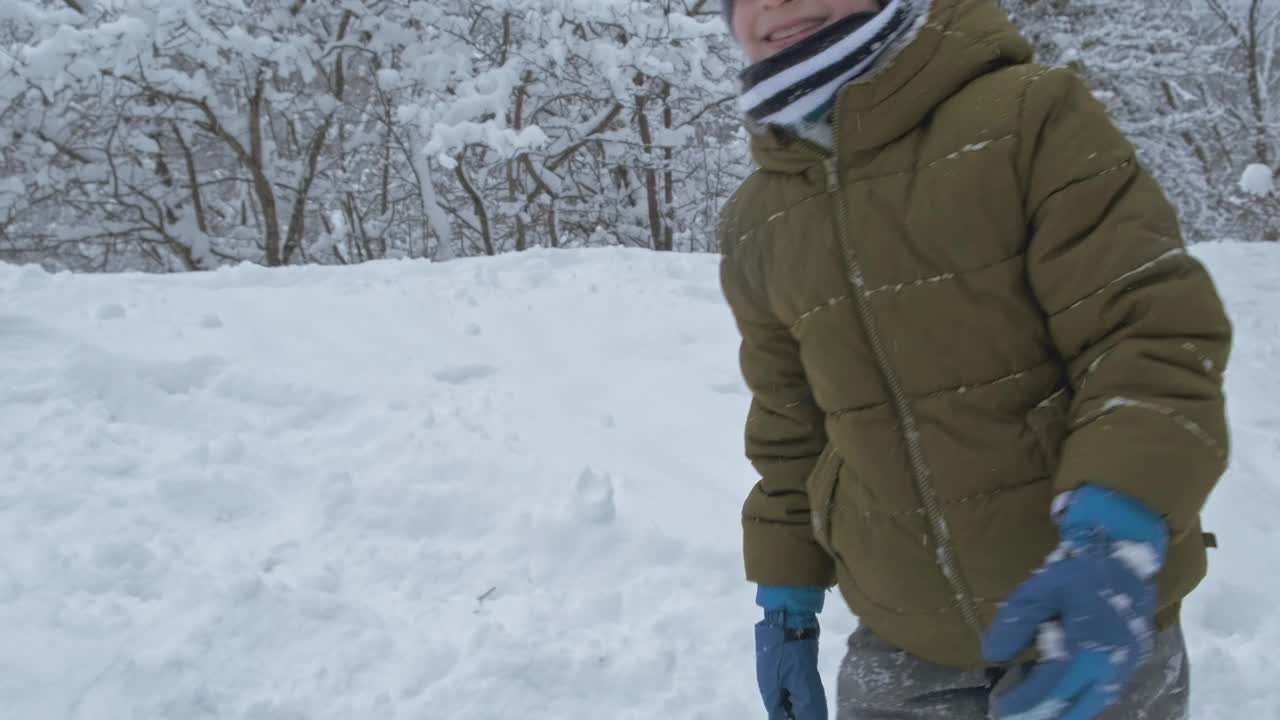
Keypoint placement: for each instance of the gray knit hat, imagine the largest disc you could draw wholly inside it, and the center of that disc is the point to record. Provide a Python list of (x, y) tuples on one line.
[(726, 9)]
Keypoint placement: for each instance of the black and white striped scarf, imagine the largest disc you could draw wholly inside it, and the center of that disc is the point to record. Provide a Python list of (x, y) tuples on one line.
[(796, 88)]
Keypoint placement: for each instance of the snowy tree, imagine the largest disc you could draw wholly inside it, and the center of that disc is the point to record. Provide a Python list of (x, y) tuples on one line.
[(181, 132), (188, 134), (193, 133), (1250, 96), (618, 91)]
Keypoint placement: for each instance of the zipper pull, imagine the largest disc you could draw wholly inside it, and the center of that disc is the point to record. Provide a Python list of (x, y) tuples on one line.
[(833, 174)]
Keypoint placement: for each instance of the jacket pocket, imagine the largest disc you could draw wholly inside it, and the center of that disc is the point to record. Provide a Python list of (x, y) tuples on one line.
[(1049, 423), (821, 487)]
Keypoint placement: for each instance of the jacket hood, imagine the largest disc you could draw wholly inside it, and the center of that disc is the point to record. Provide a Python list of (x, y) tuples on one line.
[(958, 41)]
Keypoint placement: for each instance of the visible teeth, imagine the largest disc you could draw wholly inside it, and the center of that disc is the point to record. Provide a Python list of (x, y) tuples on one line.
[(784, 34)]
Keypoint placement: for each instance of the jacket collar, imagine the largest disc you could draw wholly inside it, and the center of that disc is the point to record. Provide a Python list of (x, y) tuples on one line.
[(957, 42)]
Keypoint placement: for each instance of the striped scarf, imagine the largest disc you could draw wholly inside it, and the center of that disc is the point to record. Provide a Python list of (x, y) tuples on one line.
[(796, 88)]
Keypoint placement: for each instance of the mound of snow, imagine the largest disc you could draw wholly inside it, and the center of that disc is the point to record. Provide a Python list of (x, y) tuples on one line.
[(1257, 180)]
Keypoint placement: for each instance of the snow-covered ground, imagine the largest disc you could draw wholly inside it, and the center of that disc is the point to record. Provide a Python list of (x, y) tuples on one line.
[(495, 488)]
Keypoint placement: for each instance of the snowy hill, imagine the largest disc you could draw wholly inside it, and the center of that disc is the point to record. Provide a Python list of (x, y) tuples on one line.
[(502, 488)]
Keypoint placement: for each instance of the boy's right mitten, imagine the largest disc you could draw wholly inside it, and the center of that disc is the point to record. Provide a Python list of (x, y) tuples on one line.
[(787, 654)]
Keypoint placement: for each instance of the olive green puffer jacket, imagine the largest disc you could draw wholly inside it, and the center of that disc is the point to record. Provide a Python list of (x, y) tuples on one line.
[(980, 300)]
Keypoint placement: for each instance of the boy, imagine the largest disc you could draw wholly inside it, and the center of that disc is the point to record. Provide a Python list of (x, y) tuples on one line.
[(986, 374)]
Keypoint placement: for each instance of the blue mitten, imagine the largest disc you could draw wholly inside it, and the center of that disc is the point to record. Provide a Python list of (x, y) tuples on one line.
[(787, 653), (1091, 607)]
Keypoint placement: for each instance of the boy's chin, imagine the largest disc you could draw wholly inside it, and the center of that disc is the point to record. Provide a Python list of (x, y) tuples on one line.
[(763, 52)]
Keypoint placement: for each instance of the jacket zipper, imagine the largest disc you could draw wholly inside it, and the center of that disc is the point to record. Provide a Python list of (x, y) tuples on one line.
[(920, 471)]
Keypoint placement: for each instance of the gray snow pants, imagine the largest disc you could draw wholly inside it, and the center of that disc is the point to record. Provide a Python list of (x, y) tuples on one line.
[(880, 682)]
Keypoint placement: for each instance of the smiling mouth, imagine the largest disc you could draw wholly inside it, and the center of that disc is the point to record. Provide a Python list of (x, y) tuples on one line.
[(792, 32)]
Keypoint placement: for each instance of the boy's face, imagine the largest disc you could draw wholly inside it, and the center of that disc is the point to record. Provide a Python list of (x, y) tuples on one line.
[(765, 27)]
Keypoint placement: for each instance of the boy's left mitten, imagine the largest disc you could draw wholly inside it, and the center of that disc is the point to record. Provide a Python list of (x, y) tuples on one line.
[(1091, 607)]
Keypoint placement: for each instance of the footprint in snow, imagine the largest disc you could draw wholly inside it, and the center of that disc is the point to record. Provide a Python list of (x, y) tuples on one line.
[(703, 292), (109, 311), (459, 374), (23, 332), (592, 499)]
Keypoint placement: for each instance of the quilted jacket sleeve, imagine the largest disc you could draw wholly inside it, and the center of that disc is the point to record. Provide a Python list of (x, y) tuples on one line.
[(784, 437), (1136, 316)]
